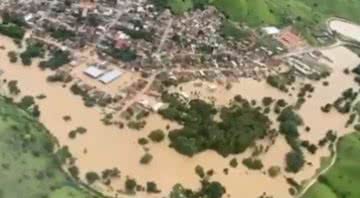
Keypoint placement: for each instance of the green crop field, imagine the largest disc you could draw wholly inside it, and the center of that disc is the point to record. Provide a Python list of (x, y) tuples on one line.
[(28, 166), (343, 179)]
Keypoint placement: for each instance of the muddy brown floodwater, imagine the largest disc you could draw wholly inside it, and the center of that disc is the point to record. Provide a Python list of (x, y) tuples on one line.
[(346, 28), (109, 147)]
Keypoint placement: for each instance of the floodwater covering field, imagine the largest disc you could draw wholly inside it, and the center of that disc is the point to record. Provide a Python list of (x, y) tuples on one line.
[(109, 147), (345, 28)]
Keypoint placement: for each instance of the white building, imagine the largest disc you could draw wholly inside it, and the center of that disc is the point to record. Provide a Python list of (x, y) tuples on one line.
[(110, 76), (94, 72), (270, 30)]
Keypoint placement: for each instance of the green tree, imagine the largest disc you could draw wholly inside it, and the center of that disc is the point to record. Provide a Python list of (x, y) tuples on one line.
[(91, 177), (26, 102), (13, 87), (146, 159), (213, 190), (157, 135), (74, 171), (294, 161), (12, 57), (274, 171), (199, 170), (151, 187), (289, 128), (234, 163), (130, 184)]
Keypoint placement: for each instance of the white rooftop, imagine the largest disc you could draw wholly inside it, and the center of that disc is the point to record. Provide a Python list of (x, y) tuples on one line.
[(110, 76), (94, 72), (271, 30)]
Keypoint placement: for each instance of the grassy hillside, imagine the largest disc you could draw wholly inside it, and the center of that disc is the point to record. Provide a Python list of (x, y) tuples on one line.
[(277, 12), (282, 12), (28, 167), (343, 179)]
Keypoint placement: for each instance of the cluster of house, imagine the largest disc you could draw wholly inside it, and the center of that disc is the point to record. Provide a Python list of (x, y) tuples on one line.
[(158, 38), (309, 63)]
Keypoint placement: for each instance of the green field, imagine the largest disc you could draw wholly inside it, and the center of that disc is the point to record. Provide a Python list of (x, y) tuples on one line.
[(28, 166), (343, 179)]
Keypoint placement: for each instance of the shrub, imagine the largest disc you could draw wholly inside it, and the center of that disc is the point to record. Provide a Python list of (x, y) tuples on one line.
[(157, 135), (13, 87), (234, 163), (110, 173), (274, 171), (254, 164), (151, 187), (130, 184), (91, 177), (146, 159), (74, 171), (72, 134), (294, 161), (200, 171), (26, 102), (212, 190), (143, 141), (267, 101), (137, 125), (12, 57)]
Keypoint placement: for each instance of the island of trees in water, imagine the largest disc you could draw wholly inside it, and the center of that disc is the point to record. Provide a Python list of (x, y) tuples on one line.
[(232, 129)]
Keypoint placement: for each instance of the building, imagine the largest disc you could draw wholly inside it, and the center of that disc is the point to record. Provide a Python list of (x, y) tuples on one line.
[(110, 76), (94, 72), (270, 30), (290, 39)]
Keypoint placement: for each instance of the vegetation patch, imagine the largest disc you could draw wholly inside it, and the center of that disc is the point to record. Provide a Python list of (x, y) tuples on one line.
[(240, 126), (342, 180), (58, 58), (29, 167), (33, 50)]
